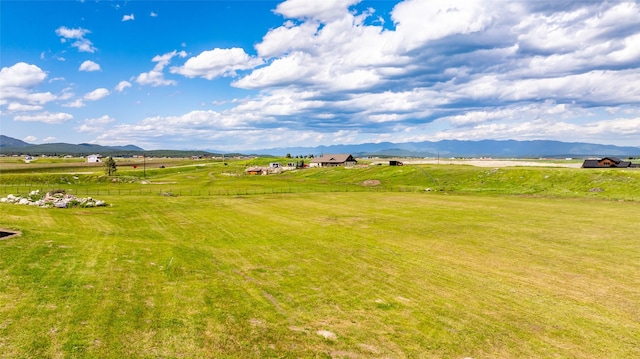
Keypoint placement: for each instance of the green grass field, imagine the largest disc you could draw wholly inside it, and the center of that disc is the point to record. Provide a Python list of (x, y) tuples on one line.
[(507, 263)]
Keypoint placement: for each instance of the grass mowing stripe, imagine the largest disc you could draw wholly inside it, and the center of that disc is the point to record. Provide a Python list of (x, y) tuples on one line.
[(390, 275)]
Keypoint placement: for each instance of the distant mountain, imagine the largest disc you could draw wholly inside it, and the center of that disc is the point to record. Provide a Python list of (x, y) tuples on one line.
[(455, 148), (6, 141), (9, 145)]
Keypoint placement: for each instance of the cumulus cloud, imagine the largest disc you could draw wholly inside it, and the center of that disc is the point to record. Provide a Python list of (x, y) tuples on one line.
[(17, 84), (21, 75), (128, 18), (95, 125), (77, 38), (89, 66), (19, 107), (122, 85), (155, 77), (45, 117), (153, 14), (217, 62), (96, 94), (315, 10), (461, 69), (78, 103)]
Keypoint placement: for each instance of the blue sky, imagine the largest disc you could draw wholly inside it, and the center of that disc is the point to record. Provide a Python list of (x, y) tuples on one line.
[(242, 75)]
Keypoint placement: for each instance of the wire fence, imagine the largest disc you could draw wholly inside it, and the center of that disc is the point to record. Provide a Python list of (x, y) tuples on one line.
[(173, 192)]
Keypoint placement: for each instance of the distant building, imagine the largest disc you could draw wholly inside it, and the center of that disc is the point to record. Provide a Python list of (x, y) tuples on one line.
[(608, 162), (333, 160), (256, 171), (94, 158)]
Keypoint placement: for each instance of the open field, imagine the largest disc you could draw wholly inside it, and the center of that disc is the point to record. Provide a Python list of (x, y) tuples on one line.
[(500, 163), (508, 263)]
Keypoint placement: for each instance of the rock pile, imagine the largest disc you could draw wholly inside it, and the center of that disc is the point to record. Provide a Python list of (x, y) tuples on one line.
[(53, 199)]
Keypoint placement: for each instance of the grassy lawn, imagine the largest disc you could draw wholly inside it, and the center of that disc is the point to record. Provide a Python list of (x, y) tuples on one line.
[(324, 274), (508, 263)]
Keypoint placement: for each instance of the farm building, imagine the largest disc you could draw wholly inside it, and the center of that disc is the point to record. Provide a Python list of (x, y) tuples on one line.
[(94, 158), (608, 162), (255, 171), (333, 160), (395, 163)]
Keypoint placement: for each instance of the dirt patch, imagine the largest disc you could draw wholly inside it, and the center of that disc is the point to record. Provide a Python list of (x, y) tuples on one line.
[(326, 334), (371, 183)]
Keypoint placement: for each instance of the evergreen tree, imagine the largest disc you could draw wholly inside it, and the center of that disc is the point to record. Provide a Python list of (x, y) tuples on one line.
[(110, 166)]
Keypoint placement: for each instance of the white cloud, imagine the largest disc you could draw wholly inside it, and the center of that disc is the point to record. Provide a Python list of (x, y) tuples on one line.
[(67, 33), (45, 117), (78, 103), (17, 85), (155, 77), (128, 17), (418, 22), (49, 139), (153, 14), (99, 121), (122, 85), (19, 107), (95, 125), (21, 75), (286, 70), (426, 70), (96, 94), (318, 10), (30, 139), (78, 38), (217, 62), (89, 66)]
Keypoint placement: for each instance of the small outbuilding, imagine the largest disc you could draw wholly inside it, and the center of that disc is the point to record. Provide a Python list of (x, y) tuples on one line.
[(395, 163), (255, 171)]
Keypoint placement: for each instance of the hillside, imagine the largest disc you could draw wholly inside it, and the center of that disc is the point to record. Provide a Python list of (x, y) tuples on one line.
[(6, 141)]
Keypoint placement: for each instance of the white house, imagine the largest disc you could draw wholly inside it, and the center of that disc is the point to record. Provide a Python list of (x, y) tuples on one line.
[(94, 158)]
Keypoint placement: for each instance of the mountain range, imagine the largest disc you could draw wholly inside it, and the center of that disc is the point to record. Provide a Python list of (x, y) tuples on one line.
[(13, 145), (455, 148), (446, 148)]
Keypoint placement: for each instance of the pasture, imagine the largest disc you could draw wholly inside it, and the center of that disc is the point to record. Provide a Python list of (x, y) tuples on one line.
[(198, 260)]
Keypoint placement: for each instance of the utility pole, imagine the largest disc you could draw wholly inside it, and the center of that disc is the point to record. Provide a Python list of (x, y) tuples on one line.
[(144, 166)]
